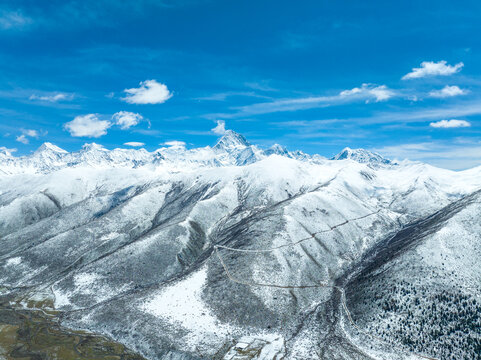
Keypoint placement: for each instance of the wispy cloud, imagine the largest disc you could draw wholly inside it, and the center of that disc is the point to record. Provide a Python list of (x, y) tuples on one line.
[(148, 132), (431, 68), (261, 86), (447, 155), (23, 139), (282, 105), (53, 97), (88, 126), (459, 110), (326, 128), (149, 92), (367, 92), (448, 91), (10, 20), (80, 14), (222, 96), (26, 134), (448, 124)]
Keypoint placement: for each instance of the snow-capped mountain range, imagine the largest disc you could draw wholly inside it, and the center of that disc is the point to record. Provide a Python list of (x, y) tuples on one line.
[(143, 247), (231, 150)]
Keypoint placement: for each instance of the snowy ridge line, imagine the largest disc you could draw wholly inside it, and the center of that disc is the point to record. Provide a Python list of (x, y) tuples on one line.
[(320, 285), (298, 241)]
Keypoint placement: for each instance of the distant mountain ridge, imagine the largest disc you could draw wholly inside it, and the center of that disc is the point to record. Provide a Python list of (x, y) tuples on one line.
[(232, 149), (361, 156)]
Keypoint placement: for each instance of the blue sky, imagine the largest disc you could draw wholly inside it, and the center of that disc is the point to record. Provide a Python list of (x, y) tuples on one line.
[(399, 77)]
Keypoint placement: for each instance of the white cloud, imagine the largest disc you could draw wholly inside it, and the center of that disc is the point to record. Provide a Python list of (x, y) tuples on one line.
[(23, 139), (26, 133), (13, 20), (31, 133), (220, 128), (52, 98), (134, 143), (453, 123), (448, 91), (431, 68), (126, 119), (88, 126), (174, 143), (149, 92), (379, 93)]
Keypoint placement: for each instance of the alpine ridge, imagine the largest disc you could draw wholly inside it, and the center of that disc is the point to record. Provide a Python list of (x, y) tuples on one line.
[(231, 149)]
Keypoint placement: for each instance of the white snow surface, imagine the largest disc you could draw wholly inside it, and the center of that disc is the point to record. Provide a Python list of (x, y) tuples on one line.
[(182, 303)]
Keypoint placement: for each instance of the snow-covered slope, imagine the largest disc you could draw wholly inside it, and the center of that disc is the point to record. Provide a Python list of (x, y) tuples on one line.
[(421, 291), (132, 248)]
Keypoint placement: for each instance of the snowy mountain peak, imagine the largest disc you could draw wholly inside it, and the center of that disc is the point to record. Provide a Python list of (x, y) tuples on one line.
[(361, 156), (49, 147), (230, 140), (93, 147), (277, 149)]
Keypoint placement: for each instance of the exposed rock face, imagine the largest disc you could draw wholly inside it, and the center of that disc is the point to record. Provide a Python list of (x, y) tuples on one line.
[(129, 249)]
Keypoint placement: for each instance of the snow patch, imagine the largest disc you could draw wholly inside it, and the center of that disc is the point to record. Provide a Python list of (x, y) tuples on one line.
[(182, 304), (14, 261)]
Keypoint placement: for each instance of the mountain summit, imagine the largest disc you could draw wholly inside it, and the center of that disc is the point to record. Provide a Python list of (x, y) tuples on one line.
[(361, 156), (49, 147), (231, 140)]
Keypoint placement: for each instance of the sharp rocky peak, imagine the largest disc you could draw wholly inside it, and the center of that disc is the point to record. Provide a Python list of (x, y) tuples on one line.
[(362, 156), (278, 148), (49, 147), (231, 140)]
